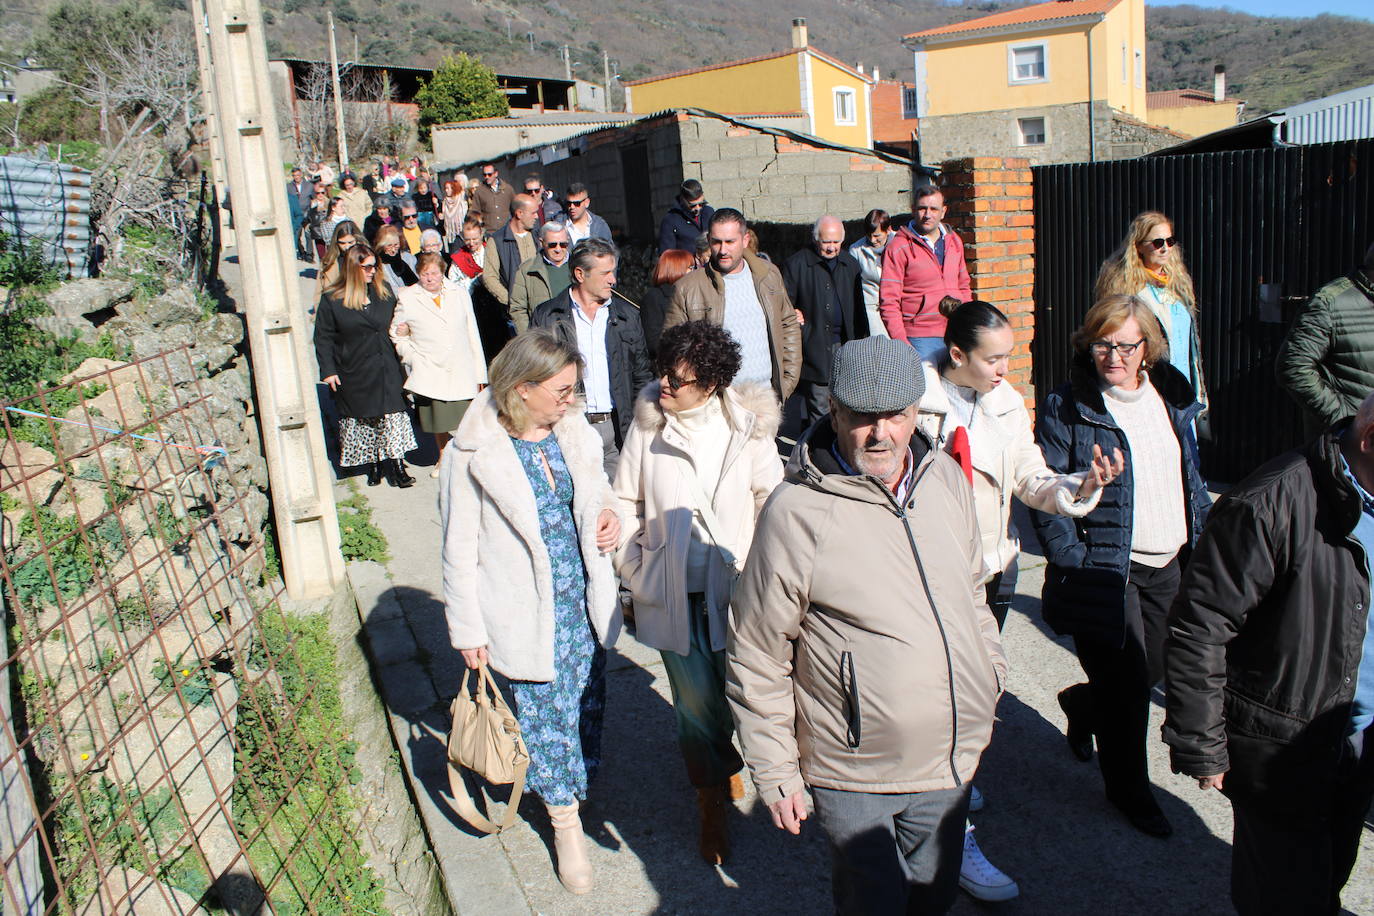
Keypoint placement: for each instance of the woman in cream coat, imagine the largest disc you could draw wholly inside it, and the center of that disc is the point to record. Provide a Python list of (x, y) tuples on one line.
[(694, 439), (971, 410), (435, 334), (528, 527)]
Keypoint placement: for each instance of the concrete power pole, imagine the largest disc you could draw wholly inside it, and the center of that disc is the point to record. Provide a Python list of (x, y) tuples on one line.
[(338, 98), (213, 124), (567, 64), (606, 77), (283, 373)]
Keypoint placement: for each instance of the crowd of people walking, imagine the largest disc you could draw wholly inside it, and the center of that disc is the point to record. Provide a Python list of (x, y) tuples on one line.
[(830, 618)]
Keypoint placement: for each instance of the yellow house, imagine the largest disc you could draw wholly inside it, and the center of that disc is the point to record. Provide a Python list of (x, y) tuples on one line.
[(1053, 82), (834, 97)]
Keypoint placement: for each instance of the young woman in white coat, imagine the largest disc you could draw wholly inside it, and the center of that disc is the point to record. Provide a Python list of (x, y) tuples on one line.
[(435, 334), (971, 410), (538, 600), (696, 469)]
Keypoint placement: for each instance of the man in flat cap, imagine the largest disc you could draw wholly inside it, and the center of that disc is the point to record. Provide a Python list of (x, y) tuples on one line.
[(863, 661)]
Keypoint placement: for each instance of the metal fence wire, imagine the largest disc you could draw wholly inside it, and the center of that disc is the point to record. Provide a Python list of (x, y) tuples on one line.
[(170, 739)]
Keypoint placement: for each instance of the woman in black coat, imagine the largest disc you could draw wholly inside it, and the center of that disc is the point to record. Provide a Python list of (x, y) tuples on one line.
[(672, 266), (1113, 574), (359, 364)]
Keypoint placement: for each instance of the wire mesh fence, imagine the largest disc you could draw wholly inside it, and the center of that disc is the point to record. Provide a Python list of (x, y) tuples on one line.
[(170, 738)]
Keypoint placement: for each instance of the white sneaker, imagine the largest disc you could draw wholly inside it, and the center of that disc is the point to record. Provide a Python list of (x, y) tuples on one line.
[(983, 880), (975, 799)]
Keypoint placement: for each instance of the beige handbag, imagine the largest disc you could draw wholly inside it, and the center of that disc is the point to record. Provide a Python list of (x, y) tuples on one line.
[(485, 738)]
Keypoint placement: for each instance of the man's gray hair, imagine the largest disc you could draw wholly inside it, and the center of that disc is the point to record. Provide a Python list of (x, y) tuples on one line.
[(828, 217), (586, 252), (553, 225)]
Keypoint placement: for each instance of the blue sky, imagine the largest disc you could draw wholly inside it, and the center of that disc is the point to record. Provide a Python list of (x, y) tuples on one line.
[(1358, 8)]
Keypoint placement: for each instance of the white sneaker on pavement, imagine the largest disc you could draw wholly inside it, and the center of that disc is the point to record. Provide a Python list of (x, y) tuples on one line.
[(983, 880), (975, 799)]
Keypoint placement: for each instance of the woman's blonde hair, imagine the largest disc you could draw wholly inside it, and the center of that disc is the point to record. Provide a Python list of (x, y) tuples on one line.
[(1109, 314), (385, 236), (332, 253), (1123, 273), (351, 286), (530, 359)]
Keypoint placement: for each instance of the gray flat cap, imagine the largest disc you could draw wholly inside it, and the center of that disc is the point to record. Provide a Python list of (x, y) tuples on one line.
[(876, 375)]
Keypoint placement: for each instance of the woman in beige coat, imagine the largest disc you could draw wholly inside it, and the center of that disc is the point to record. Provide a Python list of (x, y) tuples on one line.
[(435, 334), (528, 527), (696, 469)]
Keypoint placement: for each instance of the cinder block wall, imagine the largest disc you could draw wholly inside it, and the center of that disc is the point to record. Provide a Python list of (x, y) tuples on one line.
[(991, 205), (776, 179)]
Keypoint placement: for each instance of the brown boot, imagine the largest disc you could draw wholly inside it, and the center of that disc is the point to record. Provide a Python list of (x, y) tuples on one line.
[(736, 788), (714, 805), (570, 848)]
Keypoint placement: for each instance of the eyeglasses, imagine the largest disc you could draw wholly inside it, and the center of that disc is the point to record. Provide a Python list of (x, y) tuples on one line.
[(372, 266), (410, 216), (562, 395), (579, 203), (1158, 244), (1102, 349), (695, 205), (488, 174), (675, 383), (557, 244)]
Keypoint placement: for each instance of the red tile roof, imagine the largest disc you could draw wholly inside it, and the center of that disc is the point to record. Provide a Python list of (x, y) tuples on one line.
[(1183, 98), (1040, 12)]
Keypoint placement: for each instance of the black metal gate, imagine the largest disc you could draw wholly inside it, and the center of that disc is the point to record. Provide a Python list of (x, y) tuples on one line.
[(1261, 230)]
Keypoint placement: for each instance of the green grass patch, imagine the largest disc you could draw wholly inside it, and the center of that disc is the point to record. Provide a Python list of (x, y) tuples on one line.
[(277, 733), (358, 536)]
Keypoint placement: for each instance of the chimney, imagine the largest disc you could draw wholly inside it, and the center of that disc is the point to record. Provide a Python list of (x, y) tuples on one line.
[(1219, 83), (799, 36), (859, 66), (875, 74)]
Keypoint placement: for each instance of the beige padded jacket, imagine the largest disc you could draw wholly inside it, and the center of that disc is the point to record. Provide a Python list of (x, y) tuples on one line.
[(862, 655)]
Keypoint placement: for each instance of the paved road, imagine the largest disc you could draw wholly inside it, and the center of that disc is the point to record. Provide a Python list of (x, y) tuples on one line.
[(1046, 822)]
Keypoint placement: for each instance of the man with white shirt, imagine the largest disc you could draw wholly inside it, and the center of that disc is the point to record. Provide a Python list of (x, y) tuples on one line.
[(581, 222), (605, 328), (746, 295)]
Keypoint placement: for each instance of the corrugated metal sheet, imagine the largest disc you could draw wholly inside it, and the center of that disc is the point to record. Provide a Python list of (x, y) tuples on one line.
[(1349, 120), (1261, 231), (50, 202)]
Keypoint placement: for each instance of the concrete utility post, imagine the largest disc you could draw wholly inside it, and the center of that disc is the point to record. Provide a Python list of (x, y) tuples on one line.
[(606, 77), (212, 123), (283, 373), (338, 98)]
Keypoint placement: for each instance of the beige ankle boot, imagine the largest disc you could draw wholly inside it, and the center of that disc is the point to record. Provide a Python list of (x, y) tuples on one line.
[(570, 848)]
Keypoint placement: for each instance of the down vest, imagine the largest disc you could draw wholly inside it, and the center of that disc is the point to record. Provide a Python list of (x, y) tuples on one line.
[(862, 655), (1090, 557), (1266, 632)]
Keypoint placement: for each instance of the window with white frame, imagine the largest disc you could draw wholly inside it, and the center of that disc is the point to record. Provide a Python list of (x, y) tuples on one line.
[(1031, 131), (1139, 69), (844, 107), (910, 103), (1028, 63)]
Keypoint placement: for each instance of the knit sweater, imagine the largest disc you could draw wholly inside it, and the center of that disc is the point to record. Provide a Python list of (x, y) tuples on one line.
[(709, 435), (1159, 522)]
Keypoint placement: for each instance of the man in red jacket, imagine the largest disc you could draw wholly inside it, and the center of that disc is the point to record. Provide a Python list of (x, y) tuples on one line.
[(922, 264)]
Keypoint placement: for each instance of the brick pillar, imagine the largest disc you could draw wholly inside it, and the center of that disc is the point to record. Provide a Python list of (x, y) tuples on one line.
[(992, 207)]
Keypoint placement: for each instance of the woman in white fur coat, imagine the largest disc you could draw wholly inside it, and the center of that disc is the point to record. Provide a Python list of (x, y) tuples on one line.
[(528, 529), (696, 469)]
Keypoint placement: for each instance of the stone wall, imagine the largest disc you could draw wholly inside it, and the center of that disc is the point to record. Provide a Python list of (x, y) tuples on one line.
[(995, 133), (991, 205)]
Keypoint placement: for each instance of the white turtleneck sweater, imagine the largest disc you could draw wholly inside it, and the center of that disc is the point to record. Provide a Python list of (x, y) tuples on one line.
[(1159, 520)]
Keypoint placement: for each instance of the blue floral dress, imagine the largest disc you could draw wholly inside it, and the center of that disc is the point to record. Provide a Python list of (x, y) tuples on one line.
[(561, 719)]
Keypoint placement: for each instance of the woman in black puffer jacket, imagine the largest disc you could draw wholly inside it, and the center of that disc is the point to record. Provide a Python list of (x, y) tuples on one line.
[(1113, 574)]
